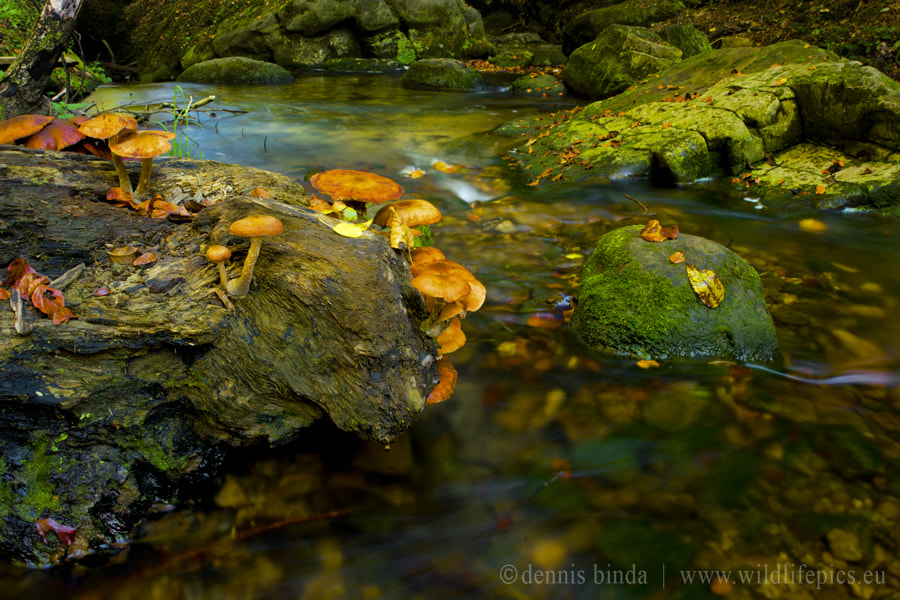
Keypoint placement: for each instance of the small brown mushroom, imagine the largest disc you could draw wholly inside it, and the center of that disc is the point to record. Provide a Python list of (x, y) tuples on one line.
[(145, 145), (413, 213), (109, 126), (58, 134), (254, 227), (218, 255)]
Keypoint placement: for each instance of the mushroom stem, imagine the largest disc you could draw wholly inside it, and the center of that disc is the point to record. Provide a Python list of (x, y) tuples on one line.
[(223, 276), (122, 172), (240, 286), (143, 187)]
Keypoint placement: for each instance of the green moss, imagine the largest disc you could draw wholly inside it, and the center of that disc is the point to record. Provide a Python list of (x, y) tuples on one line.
[(407, 51), (37, 473), (626, 305)]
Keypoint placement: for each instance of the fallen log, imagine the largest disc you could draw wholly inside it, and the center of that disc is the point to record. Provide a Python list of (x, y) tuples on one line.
[(146, 386)]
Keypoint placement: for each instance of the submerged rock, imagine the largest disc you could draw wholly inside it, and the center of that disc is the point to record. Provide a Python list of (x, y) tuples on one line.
[(633, 300)]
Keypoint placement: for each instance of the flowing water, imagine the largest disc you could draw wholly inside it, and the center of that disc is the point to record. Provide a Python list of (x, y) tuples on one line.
[(553, 471)]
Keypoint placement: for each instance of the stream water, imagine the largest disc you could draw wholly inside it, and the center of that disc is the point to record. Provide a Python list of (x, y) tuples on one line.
[(553, 471)]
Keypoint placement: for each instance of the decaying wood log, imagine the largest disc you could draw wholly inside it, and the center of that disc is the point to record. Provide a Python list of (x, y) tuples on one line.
[(150, 377)]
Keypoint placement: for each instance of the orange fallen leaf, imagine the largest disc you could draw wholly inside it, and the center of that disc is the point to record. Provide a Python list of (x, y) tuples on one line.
[(544, 321), (677, 257), (646, 363), (653, 232), (259, 192), (144, 259), (820, 189), (812, 225)]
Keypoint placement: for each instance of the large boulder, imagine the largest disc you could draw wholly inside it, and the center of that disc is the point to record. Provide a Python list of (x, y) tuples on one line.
[(620, 56), (686, 38), (587, 26), (236, 69), (634, 300), (141, 394)]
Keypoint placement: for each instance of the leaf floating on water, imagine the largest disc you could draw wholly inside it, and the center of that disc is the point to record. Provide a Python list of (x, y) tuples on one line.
[(653, 232), (677, 257), (820, 189), (706, 285), (647, 364), (443, 167), (812, 225), (351, 230)]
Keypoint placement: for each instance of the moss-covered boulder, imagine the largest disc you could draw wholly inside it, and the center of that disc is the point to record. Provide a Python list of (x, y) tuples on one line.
[(633, 300), (442, 73), (534, 84), (620, 56), (236, 69), (587, 26), (689, 40)]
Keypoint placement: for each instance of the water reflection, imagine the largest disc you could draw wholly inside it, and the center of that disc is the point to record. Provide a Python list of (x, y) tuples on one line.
[(551, 460)]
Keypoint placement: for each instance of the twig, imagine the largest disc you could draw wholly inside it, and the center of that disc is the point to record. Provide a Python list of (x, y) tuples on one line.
[(639, 203), (66, 279)]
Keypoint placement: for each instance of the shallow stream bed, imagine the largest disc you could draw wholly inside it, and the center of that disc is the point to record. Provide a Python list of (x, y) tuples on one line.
[(553, 471)]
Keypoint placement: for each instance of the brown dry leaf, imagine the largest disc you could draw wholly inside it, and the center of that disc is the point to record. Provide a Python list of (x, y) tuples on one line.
[(317, 204), (653, 232), (259, 192), (706, 285), (677, 257), (400, 234)]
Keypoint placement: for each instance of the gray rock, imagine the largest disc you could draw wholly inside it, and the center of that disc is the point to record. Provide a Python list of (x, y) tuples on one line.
[(633, 300)]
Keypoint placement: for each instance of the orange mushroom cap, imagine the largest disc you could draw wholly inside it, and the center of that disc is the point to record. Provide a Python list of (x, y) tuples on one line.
[(452, 338), (472, 300), (255, 225), (59, 134), (106, 125), (217, 254), (22, 126), (345, 184), (141, 144), (412, 213), (446, 383), (425, 254), (443, 283)]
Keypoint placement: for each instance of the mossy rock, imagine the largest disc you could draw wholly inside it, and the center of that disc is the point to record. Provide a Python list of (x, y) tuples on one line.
[(689, 40), (588, 25), (236, 69), (620, 56), (442, 73), (634, 301), (539, 85)]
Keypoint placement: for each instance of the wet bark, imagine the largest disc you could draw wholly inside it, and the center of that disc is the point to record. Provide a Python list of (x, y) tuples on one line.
[(22, 85), (146, 386)]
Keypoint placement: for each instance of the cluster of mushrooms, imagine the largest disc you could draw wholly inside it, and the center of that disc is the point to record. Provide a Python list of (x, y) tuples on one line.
[(255, 227), (108, 135), (449, 289)]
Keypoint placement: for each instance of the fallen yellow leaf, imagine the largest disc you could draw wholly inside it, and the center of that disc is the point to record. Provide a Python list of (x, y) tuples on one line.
[(812, 225), (706, 285), (351, 230), (646, 363)]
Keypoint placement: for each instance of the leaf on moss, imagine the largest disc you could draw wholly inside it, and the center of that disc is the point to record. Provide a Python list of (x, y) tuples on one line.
[(706, 285), (653, 232), (677, 257)]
